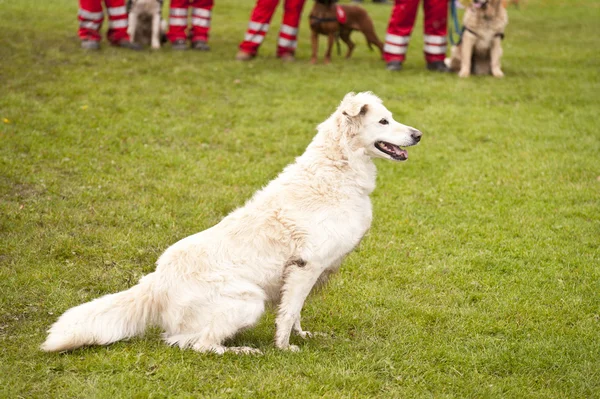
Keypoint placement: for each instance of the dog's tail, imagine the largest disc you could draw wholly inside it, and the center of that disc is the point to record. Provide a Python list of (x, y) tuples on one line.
[(105, 320)]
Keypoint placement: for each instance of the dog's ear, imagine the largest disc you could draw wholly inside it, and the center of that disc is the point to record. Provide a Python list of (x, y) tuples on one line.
[(352, 106)]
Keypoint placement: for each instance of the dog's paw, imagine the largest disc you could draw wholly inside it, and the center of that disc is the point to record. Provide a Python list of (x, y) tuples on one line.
[(464, 74), (245, 350), (313, 61), (497, 73), (155, 46), (292, 348), (308, 334)]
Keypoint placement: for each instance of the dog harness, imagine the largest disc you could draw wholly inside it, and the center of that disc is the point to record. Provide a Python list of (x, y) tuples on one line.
[(340, 17), (500, 34)]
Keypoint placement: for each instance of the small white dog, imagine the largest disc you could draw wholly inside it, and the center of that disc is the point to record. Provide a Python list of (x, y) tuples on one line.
[(145, 24), (290, 235)]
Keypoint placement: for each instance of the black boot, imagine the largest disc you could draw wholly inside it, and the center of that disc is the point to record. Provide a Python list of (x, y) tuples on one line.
[(394, 66), (179, 44), (437, 66)]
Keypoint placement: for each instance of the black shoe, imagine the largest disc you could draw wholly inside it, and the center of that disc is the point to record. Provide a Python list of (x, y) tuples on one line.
[(179, 44), (437, 66), (200, 45), (128, 45), (90, 44), (394, 66)]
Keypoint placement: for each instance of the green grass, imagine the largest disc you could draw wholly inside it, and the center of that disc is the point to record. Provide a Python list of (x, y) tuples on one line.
[(480, 275)]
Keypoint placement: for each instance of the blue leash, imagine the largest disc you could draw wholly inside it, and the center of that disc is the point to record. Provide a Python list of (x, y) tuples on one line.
[(454, 16)]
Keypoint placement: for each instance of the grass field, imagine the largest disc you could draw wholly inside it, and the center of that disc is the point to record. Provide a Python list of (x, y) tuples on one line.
[(480, 276)]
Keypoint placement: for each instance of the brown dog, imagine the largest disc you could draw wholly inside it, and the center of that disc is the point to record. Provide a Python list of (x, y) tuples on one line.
[(480, 47), (329, 19)]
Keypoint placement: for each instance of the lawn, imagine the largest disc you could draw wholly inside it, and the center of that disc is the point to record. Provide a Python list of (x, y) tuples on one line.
[(480, 276)]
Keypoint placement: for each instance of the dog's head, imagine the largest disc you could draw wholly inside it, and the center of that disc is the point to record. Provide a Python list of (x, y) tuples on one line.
[(368, 125), (480, 3), (326, 2)]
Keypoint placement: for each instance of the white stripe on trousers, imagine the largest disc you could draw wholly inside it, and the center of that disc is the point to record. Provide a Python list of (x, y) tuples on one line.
[(116, 24), (435, 49), (205, 23), (89, 25), (257, 26), (254, 38), (431, 39), (178, 12), (116, 11), (283, 42), (201, 12), (289, 30), (90, 15), (393, 49), (395, 39), (178, 21)]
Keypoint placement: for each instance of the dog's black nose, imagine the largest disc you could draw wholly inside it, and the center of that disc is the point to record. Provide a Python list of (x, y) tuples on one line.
[(416, 135)]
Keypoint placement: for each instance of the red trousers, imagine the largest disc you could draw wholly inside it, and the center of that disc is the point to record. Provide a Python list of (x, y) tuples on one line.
[(401, 24), (178, 19), (91, 17), (259, 25)]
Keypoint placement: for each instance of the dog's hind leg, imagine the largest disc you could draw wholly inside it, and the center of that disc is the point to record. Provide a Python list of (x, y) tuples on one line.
[(345, 36), (205, 327)]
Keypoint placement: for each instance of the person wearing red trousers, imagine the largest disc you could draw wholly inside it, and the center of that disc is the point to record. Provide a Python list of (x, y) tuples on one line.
[(400, 27), (90, 20), (178, 23), (259, 25)]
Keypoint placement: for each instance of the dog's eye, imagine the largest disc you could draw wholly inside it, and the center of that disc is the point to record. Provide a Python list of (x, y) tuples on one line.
[(384, 121)]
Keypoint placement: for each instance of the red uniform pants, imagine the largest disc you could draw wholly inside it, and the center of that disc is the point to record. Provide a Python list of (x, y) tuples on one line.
[(401, 24), (259, 25), (178, 19), (91, 17)]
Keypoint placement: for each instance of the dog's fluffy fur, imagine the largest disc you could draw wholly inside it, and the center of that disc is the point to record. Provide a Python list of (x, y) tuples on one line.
[(145, 24), (288, 236), (480, 48)]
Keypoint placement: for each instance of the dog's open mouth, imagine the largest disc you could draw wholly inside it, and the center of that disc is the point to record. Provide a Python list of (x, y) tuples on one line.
[(392, 150)]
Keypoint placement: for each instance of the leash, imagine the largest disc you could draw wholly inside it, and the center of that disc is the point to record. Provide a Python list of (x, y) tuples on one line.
[(457, 30)]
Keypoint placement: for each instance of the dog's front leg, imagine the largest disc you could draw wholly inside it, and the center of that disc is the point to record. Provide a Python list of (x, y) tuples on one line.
[(315, 46), (131, 25), (468, 42), (495, 55), (299, 280), (156, 31), (330, 40)]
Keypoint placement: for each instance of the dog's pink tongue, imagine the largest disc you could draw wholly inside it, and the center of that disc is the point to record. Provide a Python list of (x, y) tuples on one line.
[(402, 153), (477, 5)]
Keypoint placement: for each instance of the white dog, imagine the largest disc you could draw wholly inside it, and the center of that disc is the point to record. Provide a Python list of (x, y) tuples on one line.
[(287, 237), (145, 22)]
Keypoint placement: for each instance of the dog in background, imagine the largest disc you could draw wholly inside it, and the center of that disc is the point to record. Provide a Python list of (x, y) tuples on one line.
[(146, 26), (332, 20), (480, 47)]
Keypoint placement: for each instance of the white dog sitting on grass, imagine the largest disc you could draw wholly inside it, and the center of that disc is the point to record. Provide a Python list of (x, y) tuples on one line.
[(290, 235)]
